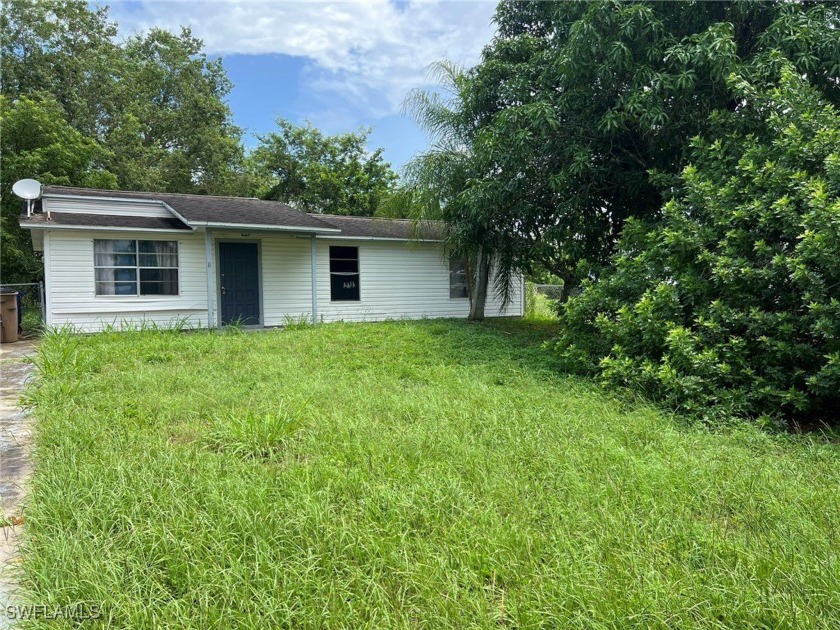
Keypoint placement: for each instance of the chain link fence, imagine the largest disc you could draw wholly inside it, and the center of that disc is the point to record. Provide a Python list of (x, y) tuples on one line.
[(550, 291), (31, 306), (541, 300)]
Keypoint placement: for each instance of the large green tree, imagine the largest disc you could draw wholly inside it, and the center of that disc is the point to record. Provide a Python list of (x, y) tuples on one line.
[(593, 105), (316, 172), (150, 110), (66, 49), (155, 102), (172, 129), (731, 304), (37, 141)]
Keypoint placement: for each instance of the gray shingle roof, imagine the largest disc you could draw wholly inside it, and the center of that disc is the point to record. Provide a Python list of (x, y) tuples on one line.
[(209, 209), (374, 227), (201, 209), (105, 220)]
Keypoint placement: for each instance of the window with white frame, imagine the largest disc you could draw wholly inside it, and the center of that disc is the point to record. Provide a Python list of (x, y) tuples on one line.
[(134, 267), (458, 279), (344, 274)]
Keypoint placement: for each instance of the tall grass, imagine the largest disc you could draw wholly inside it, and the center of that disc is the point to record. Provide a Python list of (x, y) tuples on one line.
[(538, 307), (407, 474)]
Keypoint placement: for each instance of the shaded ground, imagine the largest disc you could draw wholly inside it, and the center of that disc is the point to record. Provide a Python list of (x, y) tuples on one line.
[(15, 434)]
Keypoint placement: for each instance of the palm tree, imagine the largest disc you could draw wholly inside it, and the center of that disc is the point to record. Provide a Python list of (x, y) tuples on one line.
[(436, 182)]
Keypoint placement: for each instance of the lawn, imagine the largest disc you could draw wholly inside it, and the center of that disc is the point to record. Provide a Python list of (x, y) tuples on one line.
[(433, 474)]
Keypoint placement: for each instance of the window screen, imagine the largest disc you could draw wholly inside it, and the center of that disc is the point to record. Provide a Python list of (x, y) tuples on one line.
[(457, 279), (129, 267), (344, 274)]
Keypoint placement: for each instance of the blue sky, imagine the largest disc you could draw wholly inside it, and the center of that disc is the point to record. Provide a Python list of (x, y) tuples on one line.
[(340, 65)]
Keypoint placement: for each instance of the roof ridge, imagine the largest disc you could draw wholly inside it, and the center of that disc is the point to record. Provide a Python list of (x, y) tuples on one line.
[(153, 192)]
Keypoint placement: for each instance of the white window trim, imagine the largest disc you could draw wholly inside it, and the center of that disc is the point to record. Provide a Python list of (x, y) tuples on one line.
[(137, 268)]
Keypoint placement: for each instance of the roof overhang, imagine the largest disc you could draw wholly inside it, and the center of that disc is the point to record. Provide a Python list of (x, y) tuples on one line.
[(124, 211), (50, 225), (227, 225)]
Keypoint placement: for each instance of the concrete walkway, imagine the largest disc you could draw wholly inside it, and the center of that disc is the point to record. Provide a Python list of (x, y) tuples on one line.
[(15, 440)]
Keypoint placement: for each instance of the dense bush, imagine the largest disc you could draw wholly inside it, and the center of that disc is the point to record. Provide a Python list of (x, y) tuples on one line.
[(730, 306)]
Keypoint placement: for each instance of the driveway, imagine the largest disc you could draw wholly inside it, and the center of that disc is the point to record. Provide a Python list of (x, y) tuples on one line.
[(15, 436)]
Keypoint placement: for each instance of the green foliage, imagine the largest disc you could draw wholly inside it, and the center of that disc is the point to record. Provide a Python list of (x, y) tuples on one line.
[(297, 322), (586, 110), (731, 305), (249, 435), (37, 141), (437, 182), (171, 128), (66, 49), (538, 306), (313, 172), (432, 474), (154, 102), (80, 109)]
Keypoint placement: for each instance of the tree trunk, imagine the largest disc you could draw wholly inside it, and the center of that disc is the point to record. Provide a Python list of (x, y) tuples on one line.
[(481, 278), (566, 275)]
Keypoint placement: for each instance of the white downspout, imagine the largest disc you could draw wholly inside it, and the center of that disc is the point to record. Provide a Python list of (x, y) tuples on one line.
[(208, 253), (314, 249)]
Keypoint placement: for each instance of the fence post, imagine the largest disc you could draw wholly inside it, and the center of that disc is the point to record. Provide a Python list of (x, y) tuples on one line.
[(43, 303)]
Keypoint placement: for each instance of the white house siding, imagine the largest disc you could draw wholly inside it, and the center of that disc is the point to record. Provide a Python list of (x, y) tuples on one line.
[(68, 263), (285, 268), (118, 207), (400, 280)]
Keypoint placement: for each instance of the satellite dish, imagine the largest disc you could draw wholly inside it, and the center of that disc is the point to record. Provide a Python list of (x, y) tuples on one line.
[(28, 189)]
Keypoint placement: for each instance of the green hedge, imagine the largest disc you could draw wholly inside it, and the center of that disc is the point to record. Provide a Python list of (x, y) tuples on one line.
[(730, 305)]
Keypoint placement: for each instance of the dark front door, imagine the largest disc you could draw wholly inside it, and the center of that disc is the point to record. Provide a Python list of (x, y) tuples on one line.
[(239, 283)]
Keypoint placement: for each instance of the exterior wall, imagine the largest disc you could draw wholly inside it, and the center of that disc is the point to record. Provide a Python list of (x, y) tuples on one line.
[(398, 280), (134, 208), (71, 298), (285, 267)]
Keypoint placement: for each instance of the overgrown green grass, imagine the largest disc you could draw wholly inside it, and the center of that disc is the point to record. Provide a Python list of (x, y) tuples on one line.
[(31, 322), (538, 307), (432, 474)]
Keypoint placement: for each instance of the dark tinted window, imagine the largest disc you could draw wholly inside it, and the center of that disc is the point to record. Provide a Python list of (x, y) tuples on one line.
[(344, 274), (457, 279)]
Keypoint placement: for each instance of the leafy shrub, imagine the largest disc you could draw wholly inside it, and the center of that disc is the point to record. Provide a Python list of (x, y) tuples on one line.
[(730, 306)]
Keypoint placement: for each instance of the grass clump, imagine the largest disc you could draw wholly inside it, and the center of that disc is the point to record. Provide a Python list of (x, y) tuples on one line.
[(248, 434), (433, 474)]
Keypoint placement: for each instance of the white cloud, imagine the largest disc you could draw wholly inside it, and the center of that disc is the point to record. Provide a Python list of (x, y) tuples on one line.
[(367, 54)]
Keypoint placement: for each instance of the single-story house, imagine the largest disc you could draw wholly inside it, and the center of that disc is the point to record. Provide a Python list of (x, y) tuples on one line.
[(118, 258)]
